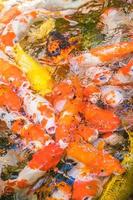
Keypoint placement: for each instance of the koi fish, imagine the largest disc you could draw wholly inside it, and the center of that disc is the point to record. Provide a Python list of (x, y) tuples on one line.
[(58, 48), (86, 189), (87, 133), (42, 161), (38, 109), (102, 54), (101, 119), (11, 75), (9, 99), (91, 93), (97, 161), (99, 75), (38, 76), (29, 132)]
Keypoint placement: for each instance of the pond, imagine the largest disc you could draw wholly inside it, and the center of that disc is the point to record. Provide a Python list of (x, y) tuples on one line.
[(66, 99)]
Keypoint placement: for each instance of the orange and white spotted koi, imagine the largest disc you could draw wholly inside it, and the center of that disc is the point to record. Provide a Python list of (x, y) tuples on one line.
[(16, 29), (33, 136), (110, 95), (38, 109), (102, 54), (42, 161)]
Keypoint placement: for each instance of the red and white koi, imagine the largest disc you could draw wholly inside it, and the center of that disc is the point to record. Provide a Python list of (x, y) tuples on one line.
[(33, 136), (38, 109), (42, 161)]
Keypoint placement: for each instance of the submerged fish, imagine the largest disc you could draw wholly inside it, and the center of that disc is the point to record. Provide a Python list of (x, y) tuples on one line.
[(120, 187)]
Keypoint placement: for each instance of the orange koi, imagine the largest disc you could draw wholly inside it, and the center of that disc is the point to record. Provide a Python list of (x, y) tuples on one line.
[(46, 158), (63, 89), (9, 99), (69, 119), (10, 74), (101, 119), (87, 188), (87, 133), (91, 93), (62, 133), (110, 52), (97, 161)]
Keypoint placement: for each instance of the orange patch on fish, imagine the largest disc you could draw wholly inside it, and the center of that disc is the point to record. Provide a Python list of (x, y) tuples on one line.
[(22, 184), (84, 189), (9, 98), (17, 125), (8, 38), (46, 158), (34, 133), (86, 132), (46, 111), (98, 162), (102, 119), (110, 52), (9, 15), (11, 74)]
